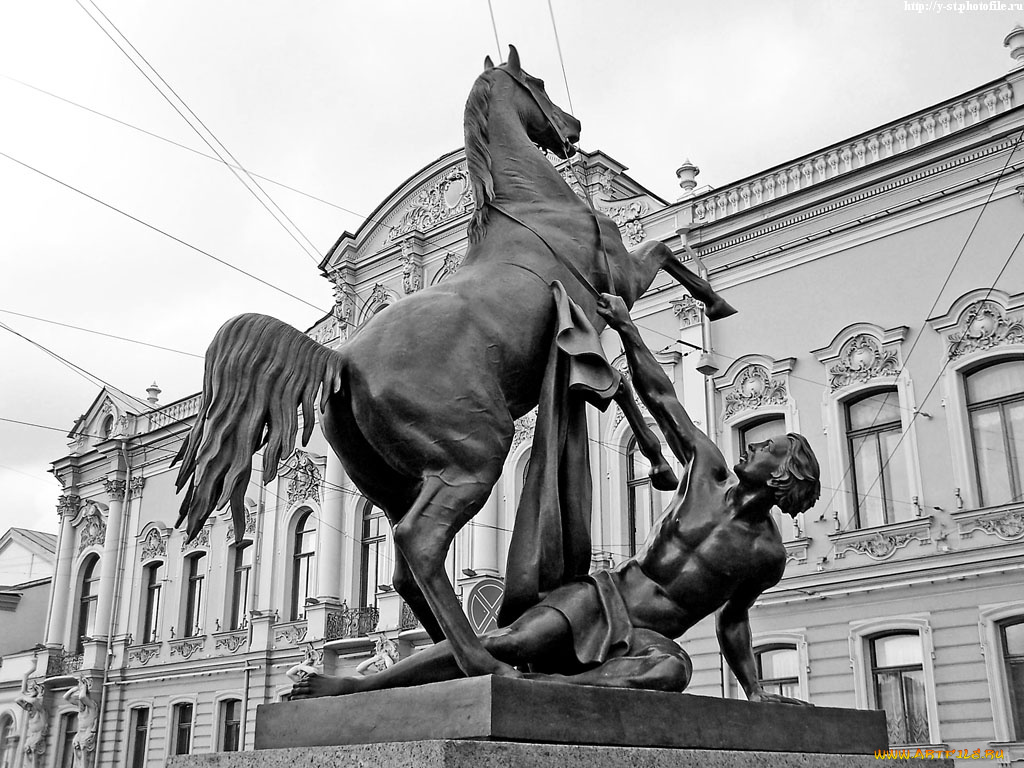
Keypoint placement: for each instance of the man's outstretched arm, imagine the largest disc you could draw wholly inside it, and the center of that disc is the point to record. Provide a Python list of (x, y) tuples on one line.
[(650, 381), (733, 625)]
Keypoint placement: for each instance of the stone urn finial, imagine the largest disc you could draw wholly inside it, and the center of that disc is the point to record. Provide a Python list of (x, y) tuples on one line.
[(1015, 42), (687, 174)]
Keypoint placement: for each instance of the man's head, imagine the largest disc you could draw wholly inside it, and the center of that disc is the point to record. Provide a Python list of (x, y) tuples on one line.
[(787, 465)]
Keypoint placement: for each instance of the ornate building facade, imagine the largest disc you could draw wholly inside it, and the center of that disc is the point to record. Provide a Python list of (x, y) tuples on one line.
[(881, 295)]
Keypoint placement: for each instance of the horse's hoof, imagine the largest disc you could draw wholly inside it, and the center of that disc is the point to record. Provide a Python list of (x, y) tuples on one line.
[(716, 310), (663, 478)]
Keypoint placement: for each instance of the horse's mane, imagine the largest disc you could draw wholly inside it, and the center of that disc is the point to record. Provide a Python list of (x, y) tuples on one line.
[(478, 158)]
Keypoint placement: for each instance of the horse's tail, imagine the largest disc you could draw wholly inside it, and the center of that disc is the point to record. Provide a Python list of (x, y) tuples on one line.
[(259, 371)]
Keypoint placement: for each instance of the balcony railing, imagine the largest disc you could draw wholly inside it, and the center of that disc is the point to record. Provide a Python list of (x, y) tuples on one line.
[(63, 663), (351, 622)]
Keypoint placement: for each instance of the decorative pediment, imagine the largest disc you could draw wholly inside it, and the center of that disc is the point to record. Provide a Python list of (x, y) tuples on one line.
[(441, 200), (861, 353), (303, 475), (980, 320), (153, 542), (753, 382), (91, 524)]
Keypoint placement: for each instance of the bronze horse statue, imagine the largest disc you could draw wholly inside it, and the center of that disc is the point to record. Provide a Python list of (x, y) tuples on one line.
[(419, 405)]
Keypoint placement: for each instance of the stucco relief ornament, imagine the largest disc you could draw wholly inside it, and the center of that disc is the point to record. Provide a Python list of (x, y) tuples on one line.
[(93, 528), (689, 311), (450, 197), (233, 642), (135, 487), (115, 489), (305, 478), (862, 358), (202, 540), (68, 504), (144, 655), (412, 271), (250, 524), (153, 546), (452, 262), (293, 634), (187, 648), (880, 547), (627, 219), (983, 325), (1007, 527), (753, 388), (525, 425)]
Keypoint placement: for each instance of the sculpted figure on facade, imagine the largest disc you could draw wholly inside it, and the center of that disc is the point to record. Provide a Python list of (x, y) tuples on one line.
[(32, 701), (84, 743), (419, 405)]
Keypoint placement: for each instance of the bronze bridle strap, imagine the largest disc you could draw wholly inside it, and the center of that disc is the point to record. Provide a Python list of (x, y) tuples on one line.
[(566, 147)]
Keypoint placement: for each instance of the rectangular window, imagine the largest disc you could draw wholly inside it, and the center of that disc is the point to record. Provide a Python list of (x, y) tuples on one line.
[(154, 588), (138, 738), (373, 553), (898, 675), (194, 597), (1013, 658), (182, 728), (240, 587), (230, 725)]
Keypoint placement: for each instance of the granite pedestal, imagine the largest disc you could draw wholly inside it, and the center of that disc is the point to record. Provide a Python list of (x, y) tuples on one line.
[(489, 722)]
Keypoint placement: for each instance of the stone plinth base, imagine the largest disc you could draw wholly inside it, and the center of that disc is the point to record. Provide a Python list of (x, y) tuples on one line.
[(535, 712), (498, 754)]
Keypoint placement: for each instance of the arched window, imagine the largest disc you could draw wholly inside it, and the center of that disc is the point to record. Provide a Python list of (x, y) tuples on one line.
[(238, 603), (778, 669), (88, 595), (230, 725), (995, 408), (1012, 636), (898, 685), (639, 499), (303, 552), (8, 742), (194, 595), (153, 584), (372, 554), (873, 434)]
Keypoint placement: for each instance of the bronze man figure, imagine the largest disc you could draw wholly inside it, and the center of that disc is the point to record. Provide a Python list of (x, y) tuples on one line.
[(716, 548)]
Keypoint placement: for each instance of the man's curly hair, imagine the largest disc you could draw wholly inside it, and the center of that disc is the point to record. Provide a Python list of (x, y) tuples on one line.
[(796, 484)]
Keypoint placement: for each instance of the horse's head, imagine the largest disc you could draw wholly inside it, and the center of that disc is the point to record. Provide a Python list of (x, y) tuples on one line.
[(548, 125)]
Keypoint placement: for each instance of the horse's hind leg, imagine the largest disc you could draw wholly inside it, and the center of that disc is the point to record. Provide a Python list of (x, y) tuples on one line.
[(406, 586), (447, 501)]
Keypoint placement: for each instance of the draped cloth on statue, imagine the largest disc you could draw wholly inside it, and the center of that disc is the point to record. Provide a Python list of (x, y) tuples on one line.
[(551, 537)]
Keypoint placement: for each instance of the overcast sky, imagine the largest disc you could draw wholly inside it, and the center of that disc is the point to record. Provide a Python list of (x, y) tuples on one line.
[(343, 101)]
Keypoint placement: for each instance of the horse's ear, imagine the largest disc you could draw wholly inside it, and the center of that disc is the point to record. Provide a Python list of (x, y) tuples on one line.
[(513, 60), (488, 64)]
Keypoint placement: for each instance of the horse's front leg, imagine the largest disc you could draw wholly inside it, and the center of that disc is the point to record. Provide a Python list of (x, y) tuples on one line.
[(661, 474), (447, 501)]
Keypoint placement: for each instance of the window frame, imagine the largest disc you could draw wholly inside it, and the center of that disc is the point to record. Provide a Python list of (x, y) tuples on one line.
[(194, 604), (10, 740), (302, 563), (991, 618), (861, 634), (178, 726), (240, 584), (66, 757), (794, 638), (899, 669), (152, 600), (634, 539), (224, 725), (872, 431), (760, 649), (1014, 461), (136, 757), (86, 604), (370, 545)]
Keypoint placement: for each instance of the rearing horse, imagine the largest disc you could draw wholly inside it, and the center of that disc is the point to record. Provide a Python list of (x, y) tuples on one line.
[(419, 405)]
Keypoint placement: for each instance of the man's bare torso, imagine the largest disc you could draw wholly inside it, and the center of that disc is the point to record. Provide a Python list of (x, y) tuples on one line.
[(699, 553)]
